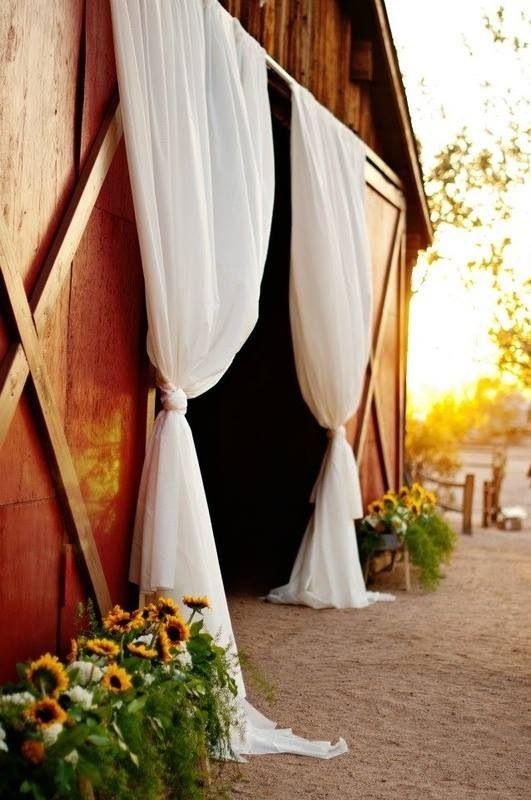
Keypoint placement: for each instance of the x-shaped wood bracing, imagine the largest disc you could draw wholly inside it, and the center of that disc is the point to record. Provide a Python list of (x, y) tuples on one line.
[(26, 359), (372, 396)]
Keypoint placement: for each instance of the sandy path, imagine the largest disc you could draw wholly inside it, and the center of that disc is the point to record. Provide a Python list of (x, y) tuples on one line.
[(432, 692)]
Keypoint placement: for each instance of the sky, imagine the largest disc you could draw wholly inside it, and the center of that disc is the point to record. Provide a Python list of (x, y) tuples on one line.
[(446, 57)]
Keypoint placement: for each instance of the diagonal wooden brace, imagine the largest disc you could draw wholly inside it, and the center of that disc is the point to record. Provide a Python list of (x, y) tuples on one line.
[(375, 354), (76, 516), (14, 368)]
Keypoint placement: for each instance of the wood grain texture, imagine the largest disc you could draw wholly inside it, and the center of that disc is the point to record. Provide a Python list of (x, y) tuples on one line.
[(105, 411), (30, 566)]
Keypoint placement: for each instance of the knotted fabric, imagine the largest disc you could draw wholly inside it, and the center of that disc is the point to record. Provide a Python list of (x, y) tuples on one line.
[(330, 312), (173, 399), (197, 126)]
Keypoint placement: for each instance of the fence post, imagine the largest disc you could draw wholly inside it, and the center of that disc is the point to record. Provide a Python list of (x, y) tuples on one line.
[(486, 504), (468, 497)]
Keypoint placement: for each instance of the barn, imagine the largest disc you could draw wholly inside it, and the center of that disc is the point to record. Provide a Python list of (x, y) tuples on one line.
[(77, 392)]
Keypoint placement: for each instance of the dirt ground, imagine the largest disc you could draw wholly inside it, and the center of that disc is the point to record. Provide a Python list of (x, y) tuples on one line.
[(432, 692)]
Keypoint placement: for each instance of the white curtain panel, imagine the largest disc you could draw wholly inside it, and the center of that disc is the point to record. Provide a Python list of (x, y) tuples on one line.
[(197, 124), (330, 309)]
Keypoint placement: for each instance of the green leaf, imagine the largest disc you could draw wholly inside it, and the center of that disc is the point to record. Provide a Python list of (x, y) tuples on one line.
[(136, 705), (196, 627), (99, 741)]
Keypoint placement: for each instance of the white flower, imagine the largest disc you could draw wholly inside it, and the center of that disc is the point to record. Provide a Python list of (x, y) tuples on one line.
[(87, 672), (148, 679), (72, 757), (50, 734), (184, 658), (16, 699), (3, 745), (81, 697)]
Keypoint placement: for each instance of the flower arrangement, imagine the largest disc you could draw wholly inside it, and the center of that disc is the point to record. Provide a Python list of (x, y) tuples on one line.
[(411, 515), (140, 702)]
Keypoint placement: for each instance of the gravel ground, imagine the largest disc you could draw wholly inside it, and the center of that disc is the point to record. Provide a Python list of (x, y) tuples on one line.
[(432, 693)]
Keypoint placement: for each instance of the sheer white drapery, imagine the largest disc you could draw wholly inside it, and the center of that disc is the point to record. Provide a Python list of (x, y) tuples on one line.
[(197, 125), (330, 310)]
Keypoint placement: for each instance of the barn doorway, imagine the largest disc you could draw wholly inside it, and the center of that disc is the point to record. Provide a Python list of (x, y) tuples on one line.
[(258, 445)]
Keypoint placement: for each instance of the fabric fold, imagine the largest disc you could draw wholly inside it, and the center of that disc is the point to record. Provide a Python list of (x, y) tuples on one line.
[(330, 313)]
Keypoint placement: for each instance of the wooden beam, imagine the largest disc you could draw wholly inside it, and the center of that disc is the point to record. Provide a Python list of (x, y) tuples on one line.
[(14, 369), (361, 62), (78, 523)]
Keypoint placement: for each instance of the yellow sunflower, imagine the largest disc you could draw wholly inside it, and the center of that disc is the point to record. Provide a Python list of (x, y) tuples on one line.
[(163, 647), (48, 675), (120, 621), (416, 508), (32, 751), (403, 492), (196, 602), (177, 630), (431, 498), (116, 679), (102, 647), (149, 613), (167, 607), (45, 712), (141, 650), (376, 507)]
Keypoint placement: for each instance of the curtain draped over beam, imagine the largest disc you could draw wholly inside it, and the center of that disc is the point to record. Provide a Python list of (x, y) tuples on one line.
[(198, 134), (330, 311)]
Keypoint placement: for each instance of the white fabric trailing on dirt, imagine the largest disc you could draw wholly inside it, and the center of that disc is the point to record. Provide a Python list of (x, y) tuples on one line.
[(198, 132), (331, 312)]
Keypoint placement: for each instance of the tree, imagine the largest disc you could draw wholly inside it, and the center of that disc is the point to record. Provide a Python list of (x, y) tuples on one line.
[(472, 186)]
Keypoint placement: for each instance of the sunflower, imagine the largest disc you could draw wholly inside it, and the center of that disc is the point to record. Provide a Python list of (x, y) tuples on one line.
[(431, 498), (116, 679), (149, 613), (48, 675), (32, 751), (177, 630), (167, 607), (163, 647), (45, 712), (403, 492), (415, 508), (196, 602), (120, 621), (103, 647), (375, 507), (141, 650)]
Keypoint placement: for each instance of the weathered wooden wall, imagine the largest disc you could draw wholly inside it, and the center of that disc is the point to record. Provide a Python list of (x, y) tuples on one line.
[(57, 76)]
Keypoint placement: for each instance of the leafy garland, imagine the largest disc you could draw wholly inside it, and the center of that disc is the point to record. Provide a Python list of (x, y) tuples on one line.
[(411, 515), (143, 701)]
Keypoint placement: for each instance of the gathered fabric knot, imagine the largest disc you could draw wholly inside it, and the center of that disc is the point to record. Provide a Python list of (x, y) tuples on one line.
[(339, 431), (173, 399)]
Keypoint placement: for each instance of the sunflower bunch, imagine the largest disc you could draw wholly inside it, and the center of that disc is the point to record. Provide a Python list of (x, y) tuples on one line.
[(140, 700), (411, 515)]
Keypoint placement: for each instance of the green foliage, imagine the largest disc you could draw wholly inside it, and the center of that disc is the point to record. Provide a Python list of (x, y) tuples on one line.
[(146, 699), (412, 517), (430, 542)]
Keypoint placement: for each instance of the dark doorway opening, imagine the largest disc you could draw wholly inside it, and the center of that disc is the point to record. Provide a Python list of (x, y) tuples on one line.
[(259, 447)]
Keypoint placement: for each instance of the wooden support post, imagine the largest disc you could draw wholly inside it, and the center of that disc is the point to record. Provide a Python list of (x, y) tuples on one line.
[(407, 570), (487, 503), (468, 497)]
